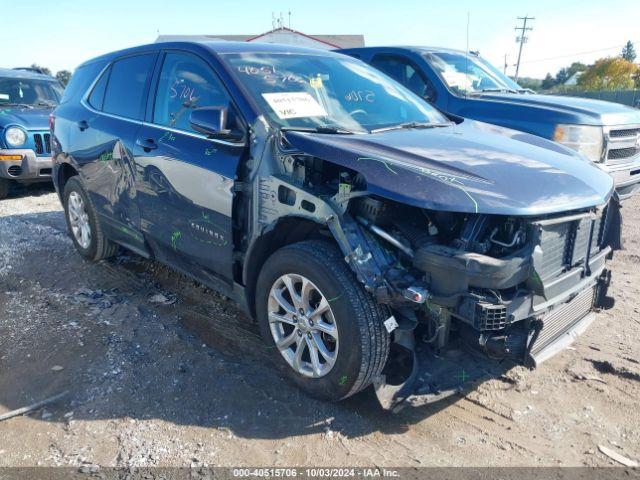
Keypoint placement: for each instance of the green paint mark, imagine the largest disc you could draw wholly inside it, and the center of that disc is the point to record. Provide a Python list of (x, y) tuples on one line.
[(106, 156), (334, 298), (131, 233), (175, 236), (343, 380), (210, 151), (463, 376), (384, 162), (168, 136), (205, 216)]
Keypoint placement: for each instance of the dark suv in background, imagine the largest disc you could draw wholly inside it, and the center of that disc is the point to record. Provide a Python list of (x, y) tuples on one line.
[(607, 133), (357, 224), (26, 100)]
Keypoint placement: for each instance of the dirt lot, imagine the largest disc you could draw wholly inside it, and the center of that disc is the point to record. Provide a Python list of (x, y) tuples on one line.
[(151, 382)]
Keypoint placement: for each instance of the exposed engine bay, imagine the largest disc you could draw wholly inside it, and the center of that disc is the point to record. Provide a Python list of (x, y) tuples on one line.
[(514, 288)]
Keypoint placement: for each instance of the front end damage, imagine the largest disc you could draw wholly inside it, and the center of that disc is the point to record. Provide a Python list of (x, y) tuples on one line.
[(504, 288), (469, 293)]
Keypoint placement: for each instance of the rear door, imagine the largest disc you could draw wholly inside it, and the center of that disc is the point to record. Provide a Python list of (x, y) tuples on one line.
[(106, 138), (184, 179)]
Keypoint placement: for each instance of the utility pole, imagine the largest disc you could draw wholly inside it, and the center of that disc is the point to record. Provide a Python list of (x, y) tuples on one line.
[(504, 70), (522, 38)]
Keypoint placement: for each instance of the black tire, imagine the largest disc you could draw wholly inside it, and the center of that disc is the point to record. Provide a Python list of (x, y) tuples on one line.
[(4, 187), (100, 247), (363, 339)]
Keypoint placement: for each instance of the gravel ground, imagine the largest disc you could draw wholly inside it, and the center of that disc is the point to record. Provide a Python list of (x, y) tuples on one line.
[(163, 372)]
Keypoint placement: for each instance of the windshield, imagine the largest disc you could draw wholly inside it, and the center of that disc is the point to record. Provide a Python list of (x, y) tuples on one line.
[(470, 74), (29, 92), (306, 91)]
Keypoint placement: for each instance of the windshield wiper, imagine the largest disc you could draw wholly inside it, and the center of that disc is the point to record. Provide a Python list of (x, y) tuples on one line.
[(47, 103), (324, 129), (410, 125), (496, 90), (11, 104)]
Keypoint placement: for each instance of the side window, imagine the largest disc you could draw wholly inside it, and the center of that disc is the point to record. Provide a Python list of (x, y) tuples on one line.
[(186, 82), (96, 98), (124, 95), (402, 70), (80, 81)]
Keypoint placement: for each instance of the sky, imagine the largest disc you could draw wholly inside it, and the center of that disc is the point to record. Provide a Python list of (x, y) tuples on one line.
[(61, 34)]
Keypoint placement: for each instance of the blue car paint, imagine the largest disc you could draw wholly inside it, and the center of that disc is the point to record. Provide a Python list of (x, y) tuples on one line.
[(531, 113), (34, 156), (527, 112), (472, 167), (32, 120), (146, 203)]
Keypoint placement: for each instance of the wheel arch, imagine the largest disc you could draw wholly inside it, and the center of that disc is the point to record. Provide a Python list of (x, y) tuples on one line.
[(284, 231), (65, 172)]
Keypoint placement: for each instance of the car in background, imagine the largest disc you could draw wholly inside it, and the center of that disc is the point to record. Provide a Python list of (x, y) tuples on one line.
[(357, 224), (607, 133), (26, 100)]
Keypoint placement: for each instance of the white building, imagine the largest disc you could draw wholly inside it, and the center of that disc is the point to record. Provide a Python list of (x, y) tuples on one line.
[(281, 35)]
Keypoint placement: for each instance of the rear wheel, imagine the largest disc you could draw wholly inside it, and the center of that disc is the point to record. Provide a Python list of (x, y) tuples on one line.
[(4, 188), (325, 331), (83, 224)]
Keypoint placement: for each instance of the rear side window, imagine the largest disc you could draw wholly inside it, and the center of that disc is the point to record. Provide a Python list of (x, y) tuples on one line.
[(96, 99), (129, 76), (81, 81), (186, 82)]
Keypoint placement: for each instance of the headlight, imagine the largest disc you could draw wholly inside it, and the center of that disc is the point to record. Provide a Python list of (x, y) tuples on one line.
[(585, 139), (15, 136)]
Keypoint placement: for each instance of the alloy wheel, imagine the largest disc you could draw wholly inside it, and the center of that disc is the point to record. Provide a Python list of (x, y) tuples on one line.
[(303, 326), (79, 219)]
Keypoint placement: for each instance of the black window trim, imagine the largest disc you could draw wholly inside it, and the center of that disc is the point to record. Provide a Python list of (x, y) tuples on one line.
[(85, 98), (104, 71)]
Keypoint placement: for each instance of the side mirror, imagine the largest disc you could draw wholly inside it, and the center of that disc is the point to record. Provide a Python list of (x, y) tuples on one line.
[(211, 121)]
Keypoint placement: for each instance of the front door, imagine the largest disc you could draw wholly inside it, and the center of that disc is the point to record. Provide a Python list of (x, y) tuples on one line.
[(184, 179)]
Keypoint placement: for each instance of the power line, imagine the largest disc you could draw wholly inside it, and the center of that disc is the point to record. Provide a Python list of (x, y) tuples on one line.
[(575, 54), (522, 38)]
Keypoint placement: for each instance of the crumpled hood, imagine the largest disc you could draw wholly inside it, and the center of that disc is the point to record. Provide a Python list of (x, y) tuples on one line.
[(471, 167), (28, 118), (595, 112)]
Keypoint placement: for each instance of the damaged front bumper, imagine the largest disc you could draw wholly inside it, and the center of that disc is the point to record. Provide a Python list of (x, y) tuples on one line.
[(536, 310)]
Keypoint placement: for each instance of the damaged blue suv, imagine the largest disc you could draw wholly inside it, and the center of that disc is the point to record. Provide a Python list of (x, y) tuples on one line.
[(364, 231), (26, 100)]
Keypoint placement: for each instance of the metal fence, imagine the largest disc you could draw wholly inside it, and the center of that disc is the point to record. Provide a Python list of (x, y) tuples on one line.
[(626, 97)]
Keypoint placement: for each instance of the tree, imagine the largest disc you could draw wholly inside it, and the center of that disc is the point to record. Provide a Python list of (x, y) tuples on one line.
[(531, 83), (576, 67), (548, 82), (63, 77), (44, 70), (613, 73), (628, 52), (562, 76)]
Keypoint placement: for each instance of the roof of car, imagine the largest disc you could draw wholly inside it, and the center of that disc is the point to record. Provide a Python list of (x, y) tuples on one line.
[(219, 47), (415, 48), (12, 73)]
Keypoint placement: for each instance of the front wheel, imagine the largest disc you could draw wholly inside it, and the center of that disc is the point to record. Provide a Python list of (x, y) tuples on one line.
[(325, 331)]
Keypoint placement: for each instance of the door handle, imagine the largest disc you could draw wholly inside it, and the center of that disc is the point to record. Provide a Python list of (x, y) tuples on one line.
[(147, 144), (82, 125)]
